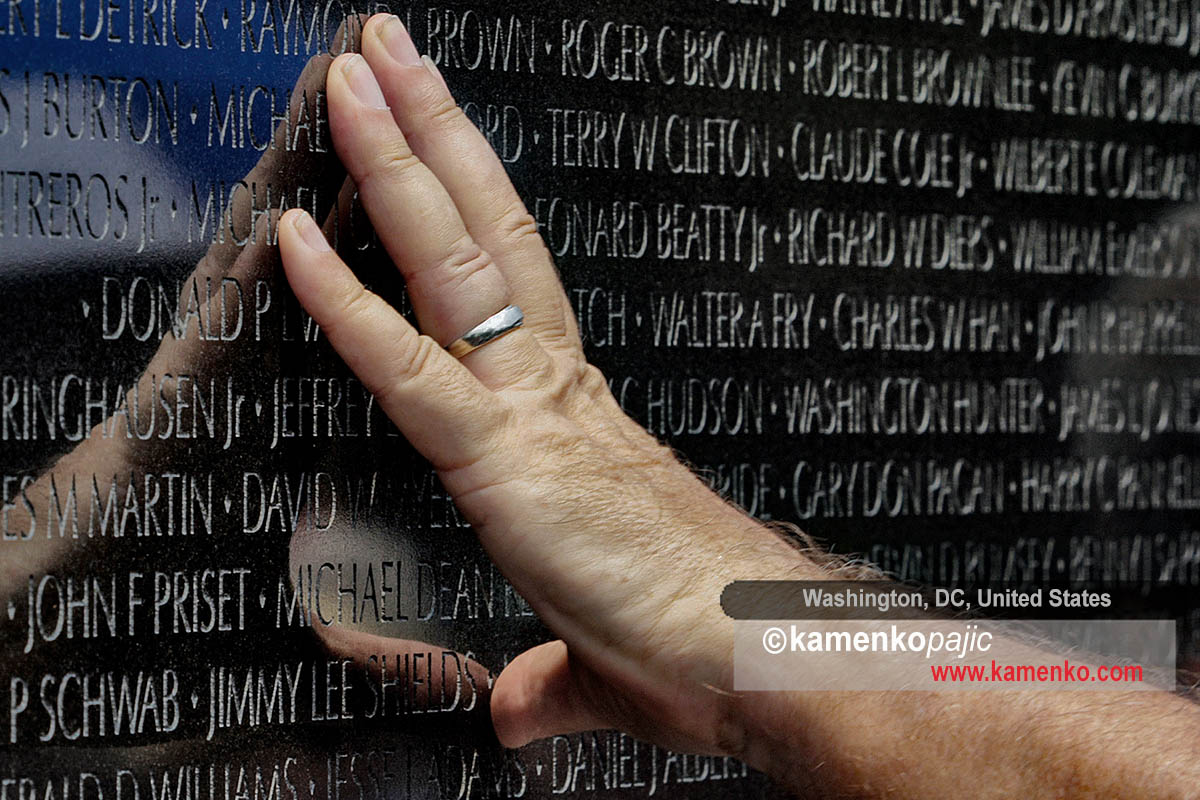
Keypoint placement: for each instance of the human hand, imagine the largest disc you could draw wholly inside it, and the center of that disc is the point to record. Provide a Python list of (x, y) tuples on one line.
[(617, 546)]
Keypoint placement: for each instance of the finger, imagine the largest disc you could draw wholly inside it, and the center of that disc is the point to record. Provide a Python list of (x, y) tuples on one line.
[(452, 281), (538, 695), (439, 406), (449, 143)]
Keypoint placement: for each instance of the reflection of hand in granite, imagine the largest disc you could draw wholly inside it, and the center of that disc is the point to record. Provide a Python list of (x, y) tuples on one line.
[(140, 439), (618, 547), (127, 447)]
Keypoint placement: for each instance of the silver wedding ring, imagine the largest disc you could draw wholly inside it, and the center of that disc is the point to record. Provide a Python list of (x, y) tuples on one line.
[(506, 319)]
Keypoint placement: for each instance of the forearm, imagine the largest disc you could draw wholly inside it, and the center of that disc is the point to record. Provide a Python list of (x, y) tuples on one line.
[(925, 744), (992, 744)]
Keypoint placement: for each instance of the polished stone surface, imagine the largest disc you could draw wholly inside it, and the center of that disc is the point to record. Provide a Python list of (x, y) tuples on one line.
[(918, 276)]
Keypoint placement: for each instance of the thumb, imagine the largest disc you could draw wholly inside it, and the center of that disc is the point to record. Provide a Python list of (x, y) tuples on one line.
[(542, 692)]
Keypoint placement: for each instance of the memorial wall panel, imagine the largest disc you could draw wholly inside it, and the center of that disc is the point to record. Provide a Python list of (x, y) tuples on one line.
[(919, 275)]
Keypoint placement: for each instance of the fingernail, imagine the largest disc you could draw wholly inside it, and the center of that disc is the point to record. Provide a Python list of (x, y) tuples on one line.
[(310, 233), (398, 43), (362, 82), (437, 73)]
